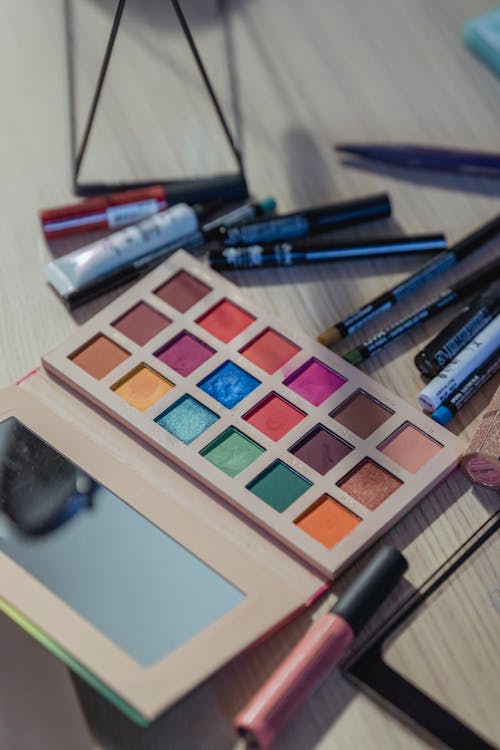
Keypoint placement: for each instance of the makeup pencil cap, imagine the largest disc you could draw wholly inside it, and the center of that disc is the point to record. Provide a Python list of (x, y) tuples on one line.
[(371, 587)]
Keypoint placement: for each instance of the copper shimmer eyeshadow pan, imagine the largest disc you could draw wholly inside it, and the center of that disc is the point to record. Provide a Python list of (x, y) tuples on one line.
[(321, 449), (410, 448), (182, 291), (141, 323), (269, 351), (225, 321), (327, 521), (362, 414), (99, 356), (369, 484)]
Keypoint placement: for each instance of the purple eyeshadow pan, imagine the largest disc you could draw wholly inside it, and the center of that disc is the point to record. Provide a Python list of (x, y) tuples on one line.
[(184, 353), (314, 381), (321, 449)]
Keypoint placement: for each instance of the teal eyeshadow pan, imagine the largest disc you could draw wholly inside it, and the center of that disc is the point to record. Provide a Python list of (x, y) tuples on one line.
[(186, 419), (279, 486)]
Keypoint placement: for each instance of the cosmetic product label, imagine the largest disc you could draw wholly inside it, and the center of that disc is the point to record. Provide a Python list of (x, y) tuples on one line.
[(120, 216)]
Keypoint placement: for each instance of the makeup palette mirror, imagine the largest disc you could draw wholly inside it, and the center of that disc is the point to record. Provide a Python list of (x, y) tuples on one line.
[(121, 573), (426, 662)]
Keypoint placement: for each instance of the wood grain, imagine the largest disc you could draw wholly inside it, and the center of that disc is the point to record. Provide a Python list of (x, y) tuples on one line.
[(303, 75)]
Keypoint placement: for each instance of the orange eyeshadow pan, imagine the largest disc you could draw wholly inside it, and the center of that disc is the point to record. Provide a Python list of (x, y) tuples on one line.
[(269, 351), (327, 521), (99, 356)]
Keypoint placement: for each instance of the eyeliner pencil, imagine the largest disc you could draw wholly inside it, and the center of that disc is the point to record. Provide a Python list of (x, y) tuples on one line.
[(454, 293), (428, 271), (467, 389), (320, 251)]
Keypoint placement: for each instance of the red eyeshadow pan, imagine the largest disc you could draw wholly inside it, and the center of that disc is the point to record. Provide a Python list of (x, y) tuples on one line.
[(182, 291), (274, 416), (269, 351), (226, 320), (141, 323)]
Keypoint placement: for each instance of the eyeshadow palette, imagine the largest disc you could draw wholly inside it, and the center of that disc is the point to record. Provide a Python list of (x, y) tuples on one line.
[(313, 450)]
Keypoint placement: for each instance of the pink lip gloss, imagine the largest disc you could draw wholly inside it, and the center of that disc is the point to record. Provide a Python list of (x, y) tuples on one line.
[(318, 651)]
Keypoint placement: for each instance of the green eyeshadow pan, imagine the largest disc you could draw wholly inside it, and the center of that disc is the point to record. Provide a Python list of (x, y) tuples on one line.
[(232, 452), (279, 486)]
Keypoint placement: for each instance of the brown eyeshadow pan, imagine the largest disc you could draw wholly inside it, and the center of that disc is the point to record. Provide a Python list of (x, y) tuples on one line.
[(99, 356), (141, 323), (369, 484), (182, 291), (362, 414)]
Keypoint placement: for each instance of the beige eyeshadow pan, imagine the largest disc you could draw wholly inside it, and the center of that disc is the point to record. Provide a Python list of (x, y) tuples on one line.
[(409, 447)]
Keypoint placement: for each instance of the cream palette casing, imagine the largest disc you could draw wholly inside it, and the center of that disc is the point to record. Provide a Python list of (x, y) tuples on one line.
[(290, 434), (237, 467)]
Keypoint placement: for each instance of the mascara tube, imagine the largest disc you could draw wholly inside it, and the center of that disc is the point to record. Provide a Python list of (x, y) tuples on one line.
[(306, 221)]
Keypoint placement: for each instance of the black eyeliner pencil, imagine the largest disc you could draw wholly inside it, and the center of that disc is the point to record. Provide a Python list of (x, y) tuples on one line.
[(428, 271), (306, 221), (459, 332), (320, 251), (454, 293)]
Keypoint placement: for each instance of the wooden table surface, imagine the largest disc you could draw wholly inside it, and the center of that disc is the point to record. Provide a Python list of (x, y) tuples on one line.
[(301, 76)]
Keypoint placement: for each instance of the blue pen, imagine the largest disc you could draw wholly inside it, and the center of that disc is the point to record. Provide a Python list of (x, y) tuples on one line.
[(479, 163), (428, 271)]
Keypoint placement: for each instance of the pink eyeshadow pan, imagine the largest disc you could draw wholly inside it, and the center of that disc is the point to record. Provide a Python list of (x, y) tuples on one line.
[(369, 484), (409, 447), (269, 351), (182, 291), (315, 382), (141, 323), (185, 353)]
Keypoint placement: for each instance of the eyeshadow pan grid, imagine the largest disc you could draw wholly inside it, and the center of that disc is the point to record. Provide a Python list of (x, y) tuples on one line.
[(322, 515)]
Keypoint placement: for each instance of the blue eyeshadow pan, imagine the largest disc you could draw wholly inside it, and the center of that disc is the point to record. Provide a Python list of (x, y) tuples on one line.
[(186, 419), (229, 384)]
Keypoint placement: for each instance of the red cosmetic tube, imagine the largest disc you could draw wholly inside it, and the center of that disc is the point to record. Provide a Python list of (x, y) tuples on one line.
[(110, 211), (318, 651)]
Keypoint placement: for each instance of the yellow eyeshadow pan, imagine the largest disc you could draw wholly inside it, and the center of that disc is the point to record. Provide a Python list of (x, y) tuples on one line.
[(142, 387), (286, 431)]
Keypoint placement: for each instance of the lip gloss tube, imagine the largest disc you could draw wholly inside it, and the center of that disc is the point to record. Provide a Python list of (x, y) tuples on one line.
[(318, 651)]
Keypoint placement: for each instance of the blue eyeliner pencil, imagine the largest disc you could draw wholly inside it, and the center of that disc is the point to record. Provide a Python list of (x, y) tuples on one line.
[(426, 273), (444, 413)]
